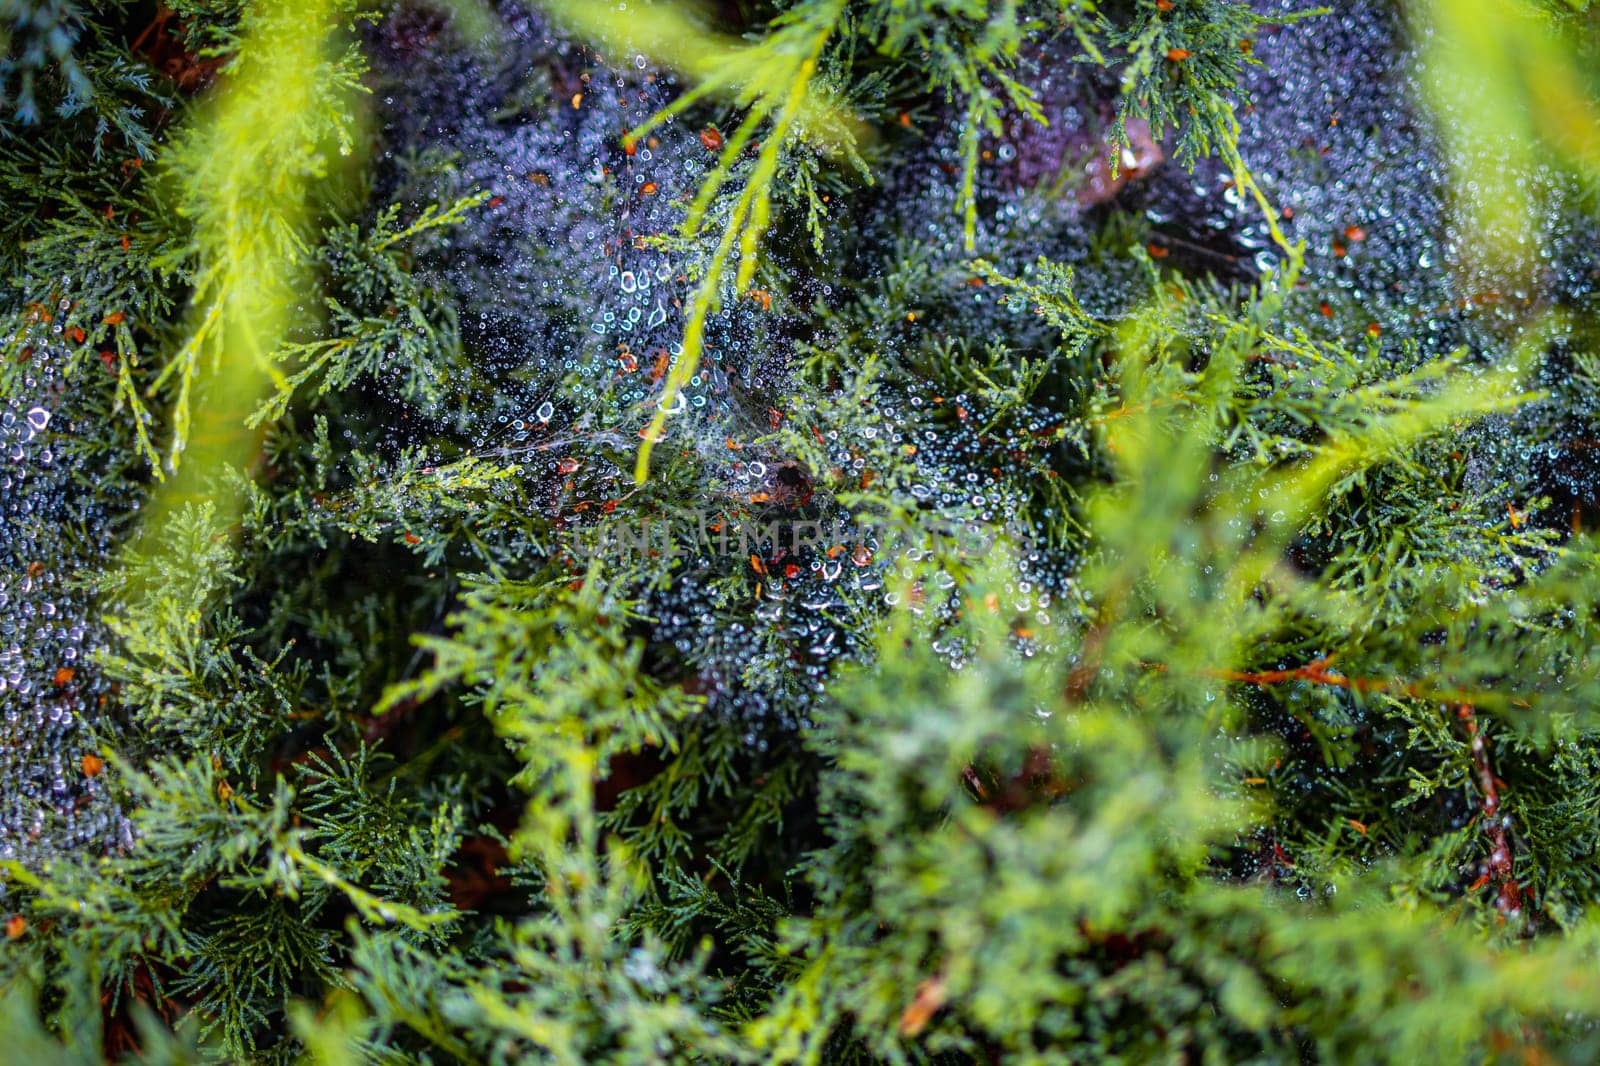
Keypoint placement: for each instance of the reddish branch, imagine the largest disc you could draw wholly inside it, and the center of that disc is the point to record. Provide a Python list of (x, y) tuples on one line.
[(1498, 867), (1317, 673), (162, 43)]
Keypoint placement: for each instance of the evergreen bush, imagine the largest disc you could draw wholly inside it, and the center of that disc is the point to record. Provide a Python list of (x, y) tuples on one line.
[(799, 531)]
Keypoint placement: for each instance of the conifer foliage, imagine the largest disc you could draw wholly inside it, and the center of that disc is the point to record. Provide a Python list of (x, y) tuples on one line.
[(799, 531)]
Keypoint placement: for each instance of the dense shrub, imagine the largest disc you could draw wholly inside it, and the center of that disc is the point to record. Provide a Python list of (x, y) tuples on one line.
[(799, 530)]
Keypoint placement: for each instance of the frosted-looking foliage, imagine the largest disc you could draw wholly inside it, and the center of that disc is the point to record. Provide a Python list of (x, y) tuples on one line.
[(51, 695), (572, 314), (575, 314), (576, 320), (1060, 618)]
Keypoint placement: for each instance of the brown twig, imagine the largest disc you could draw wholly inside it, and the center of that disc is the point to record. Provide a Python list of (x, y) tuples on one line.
[(1316, 672), (1497, 868)]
